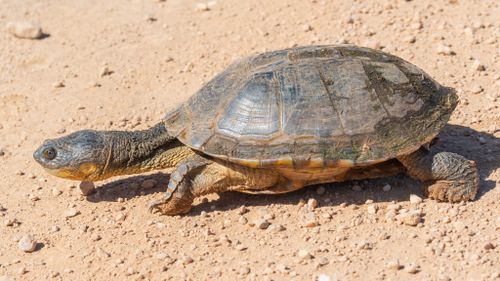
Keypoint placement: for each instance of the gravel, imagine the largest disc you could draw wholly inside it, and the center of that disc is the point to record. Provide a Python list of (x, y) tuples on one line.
[(149, 183), (25, 29), (72, 212), (415, 199), (87, 187), (27, 244)]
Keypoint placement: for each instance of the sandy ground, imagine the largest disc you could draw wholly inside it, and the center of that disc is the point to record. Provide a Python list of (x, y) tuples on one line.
[(157, 54)]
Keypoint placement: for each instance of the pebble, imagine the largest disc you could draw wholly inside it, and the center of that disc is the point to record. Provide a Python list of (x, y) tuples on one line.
[(386, 187), (10, 222), (27, 244), (444, 50), (87, 187), (242, 220), (476, 89), (149, 183), (478, 66), (277, 228), (356, 187), (410, 218), (56, 192), (324, 277), (311, 220), (412, 268), (306, 27), (415, 199), (187, 260), (72, 212), (304, 254), (489, 246), (243, 210), (22, 270), (262, 223), (371, 209), (59, 84), (393, 265), (312, 203), (105, 71), (25, 30), (204, 6)]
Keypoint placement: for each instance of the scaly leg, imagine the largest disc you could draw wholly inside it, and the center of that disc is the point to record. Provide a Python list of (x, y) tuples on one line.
[(449, 177), (197, 176)]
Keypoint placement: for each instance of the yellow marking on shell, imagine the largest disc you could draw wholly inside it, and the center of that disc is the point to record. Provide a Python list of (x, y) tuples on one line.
[(314, 163), (284, 162), (249, 163)]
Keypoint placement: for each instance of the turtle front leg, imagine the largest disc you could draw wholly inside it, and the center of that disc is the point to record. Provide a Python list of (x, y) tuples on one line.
[(448, 176), (197, 176)]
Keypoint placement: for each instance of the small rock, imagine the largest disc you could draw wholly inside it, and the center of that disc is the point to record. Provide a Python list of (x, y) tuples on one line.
[(242, 220), (87, 187), (27, 244), (371, 209), (149, 183), (277, 228), (304, 254), (240, 247), (322, 261), (25, 30), (56, 192), (10, 222), (324, 277), (476, 89), (186, 260), (415, 199), (489, 246), (22, 271), (386, 187), (95, 237), (410, 218), (412, 269), (306, 27), (59, 84), (393, 265), (478, 66), (244, 270), (243, 210), (105, 71), (262, 223), (202, 7), (356, 187), (71, 213), (444, 50), (310, 220), (312, 204)]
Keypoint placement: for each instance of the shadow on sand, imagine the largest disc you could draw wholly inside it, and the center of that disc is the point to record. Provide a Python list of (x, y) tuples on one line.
[(481, 147)]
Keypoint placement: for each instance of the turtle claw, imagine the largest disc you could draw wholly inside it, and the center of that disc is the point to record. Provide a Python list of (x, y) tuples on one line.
[(154, 206)]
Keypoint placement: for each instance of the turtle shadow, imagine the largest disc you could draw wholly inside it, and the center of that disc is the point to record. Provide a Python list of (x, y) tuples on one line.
[(484, 148)]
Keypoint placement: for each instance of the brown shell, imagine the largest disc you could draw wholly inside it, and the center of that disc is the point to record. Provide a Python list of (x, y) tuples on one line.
[(315, 106)]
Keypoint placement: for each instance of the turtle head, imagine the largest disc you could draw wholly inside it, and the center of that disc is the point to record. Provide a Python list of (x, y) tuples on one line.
[(97, 155), (82, 155)]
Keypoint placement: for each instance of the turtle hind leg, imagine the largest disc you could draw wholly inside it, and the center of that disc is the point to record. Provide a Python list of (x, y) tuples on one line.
[(448, 176), (198, 176)]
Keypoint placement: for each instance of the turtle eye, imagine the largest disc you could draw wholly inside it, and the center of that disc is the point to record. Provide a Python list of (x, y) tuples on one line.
[(49, 153)]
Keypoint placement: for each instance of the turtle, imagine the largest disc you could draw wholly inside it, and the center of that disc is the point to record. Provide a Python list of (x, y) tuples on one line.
[(282, 120)]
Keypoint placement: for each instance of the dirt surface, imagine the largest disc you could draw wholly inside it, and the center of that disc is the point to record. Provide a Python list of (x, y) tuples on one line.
[(123, 64)]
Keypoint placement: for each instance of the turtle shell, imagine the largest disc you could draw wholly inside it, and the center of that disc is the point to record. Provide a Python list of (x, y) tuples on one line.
[(314, 106)]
